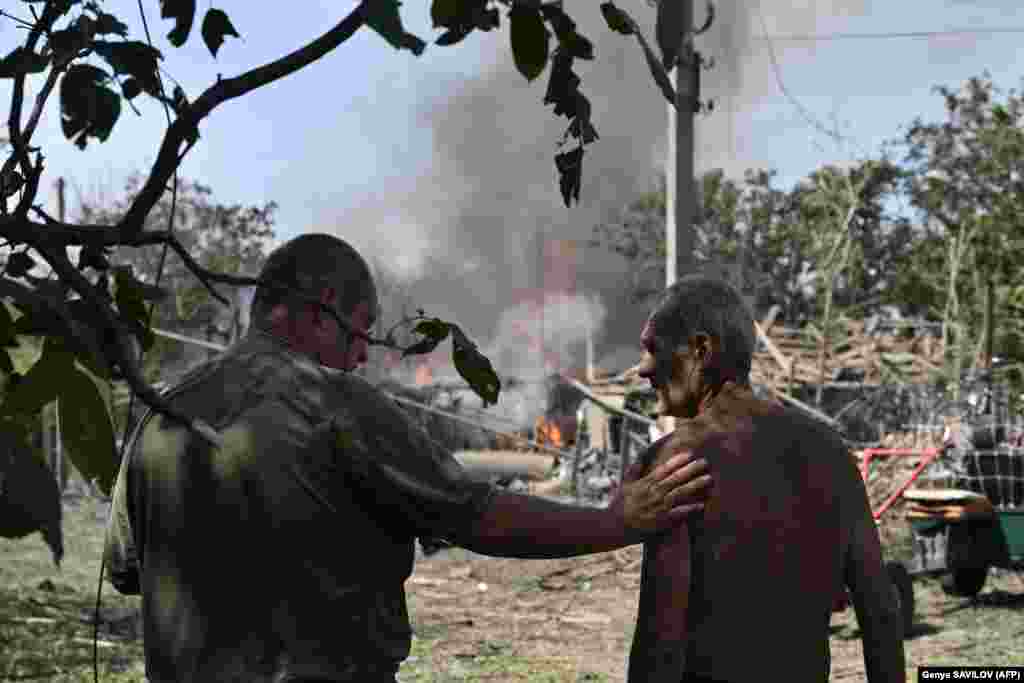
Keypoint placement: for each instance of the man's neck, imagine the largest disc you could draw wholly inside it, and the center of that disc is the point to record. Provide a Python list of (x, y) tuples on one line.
[(712, 394)]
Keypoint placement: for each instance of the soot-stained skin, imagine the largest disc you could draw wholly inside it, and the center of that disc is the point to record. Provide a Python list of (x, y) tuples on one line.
[(744, 591)]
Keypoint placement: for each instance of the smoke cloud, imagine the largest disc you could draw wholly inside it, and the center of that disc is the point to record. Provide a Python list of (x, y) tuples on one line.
[(471, 226)]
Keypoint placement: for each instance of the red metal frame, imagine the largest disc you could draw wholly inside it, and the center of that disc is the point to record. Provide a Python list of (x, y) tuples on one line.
[(928, 455)]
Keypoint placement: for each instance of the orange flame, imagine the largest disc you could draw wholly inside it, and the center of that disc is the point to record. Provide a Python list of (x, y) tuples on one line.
[(548, 433)]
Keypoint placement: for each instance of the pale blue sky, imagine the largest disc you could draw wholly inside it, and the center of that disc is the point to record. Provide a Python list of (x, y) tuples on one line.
[(326, 139), (368, 142)]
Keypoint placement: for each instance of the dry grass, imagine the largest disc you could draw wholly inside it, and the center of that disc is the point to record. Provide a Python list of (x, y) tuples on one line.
[(46, 614)]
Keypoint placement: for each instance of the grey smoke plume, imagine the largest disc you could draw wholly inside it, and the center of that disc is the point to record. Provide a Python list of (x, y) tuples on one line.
[(468, 230), (516, 352), (563, 324)]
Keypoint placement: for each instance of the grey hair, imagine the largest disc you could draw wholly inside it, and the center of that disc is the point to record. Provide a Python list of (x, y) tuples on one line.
[(697, 303), (308, 264)]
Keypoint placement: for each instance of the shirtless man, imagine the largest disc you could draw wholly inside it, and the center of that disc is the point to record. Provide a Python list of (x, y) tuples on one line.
[(744, 592)]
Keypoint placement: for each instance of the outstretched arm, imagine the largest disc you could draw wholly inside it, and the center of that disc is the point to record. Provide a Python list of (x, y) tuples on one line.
[(658, 654), (874, 597), (529, 527)]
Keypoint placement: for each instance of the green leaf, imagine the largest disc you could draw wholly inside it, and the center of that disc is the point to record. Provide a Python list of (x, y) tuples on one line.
[(42, 383), (21, 61), (29, 498), (434, 330), (383, 17), (530, 40), (488, 19), (216, 25), (433, 327), (668, 31), (130, 88), (474, 367), (131, 303), (420, 347), (106, 24), (87, 345), (453, 36), (183, 12), (10, 184), (109, 24), (570, 170), (132, 58), (88, 109), (616, 19), (24, 357), (68, 42), (7, 336), (563, 85), (86, 430), (19, 264), (579, 46), (445, 13), (6, 366)]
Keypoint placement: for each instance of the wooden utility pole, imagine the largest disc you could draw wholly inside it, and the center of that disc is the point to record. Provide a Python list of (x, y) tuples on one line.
[(680, 204)]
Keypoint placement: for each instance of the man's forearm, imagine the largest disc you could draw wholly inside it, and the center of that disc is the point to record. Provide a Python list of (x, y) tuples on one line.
[(529, 527)]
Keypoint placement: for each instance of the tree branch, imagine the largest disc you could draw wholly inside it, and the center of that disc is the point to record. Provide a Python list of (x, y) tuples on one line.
[(121, 348), (19, 143), (223, 90)]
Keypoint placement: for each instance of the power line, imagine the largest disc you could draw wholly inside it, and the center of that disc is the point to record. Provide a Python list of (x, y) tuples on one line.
[(895, 34), (805, 114), (808, 118)]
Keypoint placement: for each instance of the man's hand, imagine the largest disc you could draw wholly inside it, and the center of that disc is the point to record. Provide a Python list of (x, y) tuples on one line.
[(664, 496)]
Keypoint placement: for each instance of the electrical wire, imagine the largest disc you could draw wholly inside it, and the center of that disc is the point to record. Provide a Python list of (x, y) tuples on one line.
[(808, 118), (149, 324), (886, 35)]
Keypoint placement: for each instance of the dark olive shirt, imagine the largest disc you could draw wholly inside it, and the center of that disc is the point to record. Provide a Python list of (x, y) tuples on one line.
[(284, 552)]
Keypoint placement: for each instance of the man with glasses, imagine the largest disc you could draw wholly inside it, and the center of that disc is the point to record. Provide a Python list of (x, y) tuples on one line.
[(282, 555)]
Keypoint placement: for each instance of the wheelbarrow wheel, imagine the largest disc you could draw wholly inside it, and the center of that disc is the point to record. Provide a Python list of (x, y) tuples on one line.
[(965, 582), (905, 592)]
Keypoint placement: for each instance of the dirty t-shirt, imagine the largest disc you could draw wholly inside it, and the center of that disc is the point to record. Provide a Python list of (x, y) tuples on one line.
[(284, 552)]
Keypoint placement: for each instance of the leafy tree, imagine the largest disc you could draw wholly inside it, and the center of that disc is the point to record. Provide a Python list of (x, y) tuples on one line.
[(223, 238), (745, 231), (94, 315), (842, 211), (966, 180)]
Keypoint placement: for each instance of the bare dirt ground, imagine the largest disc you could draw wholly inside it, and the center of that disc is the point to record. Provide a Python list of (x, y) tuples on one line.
[(475, 618), (574, 619)]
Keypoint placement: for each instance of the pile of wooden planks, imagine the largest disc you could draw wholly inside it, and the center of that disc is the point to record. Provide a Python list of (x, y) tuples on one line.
[(788, 357)]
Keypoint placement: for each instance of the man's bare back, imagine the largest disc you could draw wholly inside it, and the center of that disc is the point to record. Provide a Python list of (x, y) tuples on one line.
[(747, 588)]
